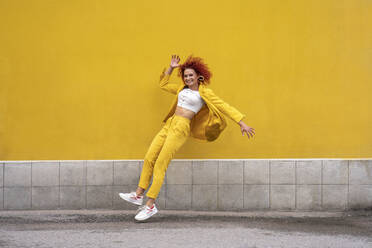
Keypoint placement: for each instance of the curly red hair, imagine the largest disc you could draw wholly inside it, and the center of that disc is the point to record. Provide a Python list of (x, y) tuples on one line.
[(198, 65)]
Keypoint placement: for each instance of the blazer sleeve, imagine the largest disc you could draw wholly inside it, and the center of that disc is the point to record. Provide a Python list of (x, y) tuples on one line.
[(165, 85), (224, 107)]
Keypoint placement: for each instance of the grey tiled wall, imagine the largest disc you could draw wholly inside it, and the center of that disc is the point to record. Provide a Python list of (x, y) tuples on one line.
[(197, 184)]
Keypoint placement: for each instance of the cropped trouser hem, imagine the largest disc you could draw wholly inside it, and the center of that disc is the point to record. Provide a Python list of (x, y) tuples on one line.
[(163, 147)]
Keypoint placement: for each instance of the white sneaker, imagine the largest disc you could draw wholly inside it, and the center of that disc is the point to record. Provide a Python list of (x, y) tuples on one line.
[(146, 212), (132, 197)]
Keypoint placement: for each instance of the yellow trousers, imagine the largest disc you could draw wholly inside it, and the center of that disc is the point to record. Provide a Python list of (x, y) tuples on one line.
[(161, 151)]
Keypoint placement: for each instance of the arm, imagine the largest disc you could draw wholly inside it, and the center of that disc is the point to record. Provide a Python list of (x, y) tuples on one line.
[(231, 112), (164, 77), (225, 108), (164, 81)]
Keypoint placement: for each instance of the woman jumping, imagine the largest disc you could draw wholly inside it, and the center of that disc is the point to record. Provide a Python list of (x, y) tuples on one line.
[(196, 111)]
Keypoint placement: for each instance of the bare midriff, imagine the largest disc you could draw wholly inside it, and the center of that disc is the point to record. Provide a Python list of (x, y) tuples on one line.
[(184, 112)]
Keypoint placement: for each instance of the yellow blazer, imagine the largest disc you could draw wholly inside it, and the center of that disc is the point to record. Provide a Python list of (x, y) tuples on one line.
[(209, 122)]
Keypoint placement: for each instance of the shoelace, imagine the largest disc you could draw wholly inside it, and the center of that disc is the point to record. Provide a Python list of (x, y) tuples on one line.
[(150, 210), (134, 196)]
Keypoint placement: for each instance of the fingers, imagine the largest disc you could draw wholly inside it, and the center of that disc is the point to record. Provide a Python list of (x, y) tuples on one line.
[(244, 130), (176, 57), (249, 132)]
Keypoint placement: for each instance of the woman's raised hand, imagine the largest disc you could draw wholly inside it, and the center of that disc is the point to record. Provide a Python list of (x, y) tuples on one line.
[(174, 61)]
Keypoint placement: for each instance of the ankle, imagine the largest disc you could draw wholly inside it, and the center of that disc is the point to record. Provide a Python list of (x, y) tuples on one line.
[(139, 192)]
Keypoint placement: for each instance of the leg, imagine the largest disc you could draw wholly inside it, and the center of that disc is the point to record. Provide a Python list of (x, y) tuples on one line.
[(148, 166), (150, 158), (177, 136), (139, 190)]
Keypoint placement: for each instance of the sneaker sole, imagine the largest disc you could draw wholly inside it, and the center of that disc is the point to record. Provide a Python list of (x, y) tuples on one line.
[(146, 218), (129, 200)]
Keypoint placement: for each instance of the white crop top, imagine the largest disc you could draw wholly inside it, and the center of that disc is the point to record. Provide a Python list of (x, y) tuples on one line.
[(190, 99)]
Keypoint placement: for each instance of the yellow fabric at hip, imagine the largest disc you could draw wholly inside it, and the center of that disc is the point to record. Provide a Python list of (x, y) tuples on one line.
[(161, 151)]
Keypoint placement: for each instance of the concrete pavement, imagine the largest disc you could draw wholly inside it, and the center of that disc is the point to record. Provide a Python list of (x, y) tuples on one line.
[(169, 228)]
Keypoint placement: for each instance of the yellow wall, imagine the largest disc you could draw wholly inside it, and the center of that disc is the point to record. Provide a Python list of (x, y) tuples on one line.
[(78, 79)]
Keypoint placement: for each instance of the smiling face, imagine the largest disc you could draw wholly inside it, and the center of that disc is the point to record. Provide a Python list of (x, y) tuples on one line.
[(190, 77)]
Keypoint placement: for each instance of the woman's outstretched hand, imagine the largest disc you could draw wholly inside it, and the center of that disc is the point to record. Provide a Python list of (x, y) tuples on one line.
[(174, 61), (247, 129)]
